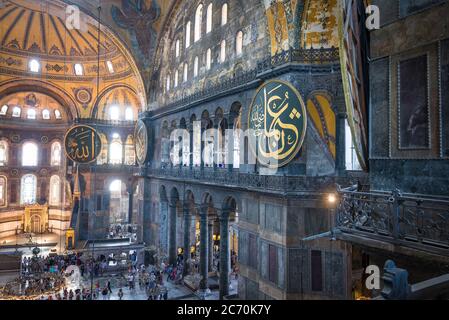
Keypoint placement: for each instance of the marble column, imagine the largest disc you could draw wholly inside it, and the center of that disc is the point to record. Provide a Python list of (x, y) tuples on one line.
[(211, 244), (172, 249), (224, 254), (130, 205), (187, 220), (204, 239), (230, 152)]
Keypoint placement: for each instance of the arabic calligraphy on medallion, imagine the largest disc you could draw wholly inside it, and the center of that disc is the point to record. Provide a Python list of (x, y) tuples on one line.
[(141, 144), (82, 144), (278, 120)]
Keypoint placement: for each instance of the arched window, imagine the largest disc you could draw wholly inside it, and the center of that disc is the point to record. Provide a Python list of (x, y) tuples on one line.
[(16, 112), (3, 153), (168, 83), (114, 113), (3, 110), (29, 154), (176, 78), (110, 66), (223, 51), (208, 59), (188, 34), (224, 14), (28, 189), (34, 65), (129, 114), (55, 191), (116, 150), (195, 67), (78, 69), (58, 114), (239, 43), (352, 162), (130, 153), (56, 154), (3, 191), (103, 157), (46, 114), (31, 114), (209, 18), (198, 22), (177, 48), (116, 188), (186, 72)]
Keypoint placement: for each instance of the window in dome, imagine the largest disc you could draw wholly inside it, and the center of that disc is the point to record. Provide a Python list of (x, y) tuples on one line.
[(3, 191), (3, 153), (188, 34), (56, 154), (78, 69), (46, 114), (177, 49), (3, 110), (28, 189), (195, 67), (16, 112), (34, 65), (224, 14), (239, 43), (110, 66), (209, 19), (129, 114), (29, 154), (223, 51), (114, 113), (55, 191), (31, 114), (198, 22), (208, 59), (116, 150), (176, 78), (186, 72), (58, 114)]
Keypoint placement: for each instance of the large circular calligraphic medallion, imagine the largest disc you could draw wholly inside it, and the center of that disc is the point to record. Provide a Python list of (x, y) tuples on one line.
[(277, 122), (82, 144), (141, 142)]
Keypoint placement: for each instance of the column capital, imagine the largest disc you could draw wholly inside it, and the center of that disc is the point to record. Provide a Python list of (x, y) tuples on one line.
[(223, 215)]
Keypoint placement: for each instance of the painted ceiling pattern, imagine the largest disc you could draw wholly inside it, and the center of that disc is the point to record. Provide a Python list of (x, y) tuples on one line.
[(27, 27)]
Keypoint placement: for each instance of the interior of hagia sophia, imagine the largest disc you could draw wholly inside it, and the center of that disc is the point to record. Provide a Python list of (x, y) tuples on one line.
[(365, 183)]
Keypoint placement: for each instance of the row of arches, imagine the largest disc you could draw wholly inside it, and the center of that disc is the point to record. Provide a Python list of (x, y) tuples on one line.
[(28, 190), (203, 229), (30, 154), (191, 151), (116, 151)]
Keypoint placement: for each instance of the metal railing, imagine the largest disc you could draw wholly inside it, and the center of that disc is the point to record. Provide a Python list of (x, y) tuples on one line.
[(400, 217)]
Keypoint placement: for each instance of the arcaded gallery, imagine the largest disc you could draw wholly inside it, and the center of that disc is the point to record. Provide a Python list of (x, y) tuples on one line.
[(224, 150)]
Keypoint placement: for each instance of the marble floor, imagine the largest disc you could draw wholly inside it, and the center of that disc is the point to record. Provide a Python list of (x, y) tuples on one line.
[(175, 291)]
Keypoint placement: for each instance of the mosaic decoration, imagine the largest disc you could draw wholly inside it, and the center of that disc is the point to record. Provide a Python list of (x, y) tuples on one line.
[(82, 144), (323, 117), (354, 70), (279, 120), (138, 18)]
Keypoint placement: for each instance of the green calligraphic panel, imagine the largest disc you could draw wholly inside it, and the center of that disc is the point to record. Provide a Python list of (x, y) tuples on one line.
[(82, 144), (141, 142), (277, 121)]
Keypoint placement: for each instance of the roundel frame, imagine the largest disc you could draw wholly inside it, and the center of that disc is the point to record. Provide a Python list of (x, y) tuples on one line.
[(97, 137), (304, 130), (141, 125)]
